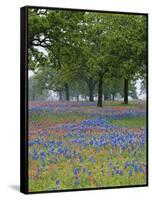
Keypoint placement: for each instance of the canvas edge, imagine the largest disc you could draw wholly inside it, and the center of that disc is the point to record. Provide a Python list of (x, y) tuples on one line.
[(23, 102)]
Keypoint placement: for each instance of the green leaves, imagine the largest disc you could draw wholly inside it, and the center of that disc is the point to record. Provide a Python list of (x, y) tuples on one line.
[(72, 45)]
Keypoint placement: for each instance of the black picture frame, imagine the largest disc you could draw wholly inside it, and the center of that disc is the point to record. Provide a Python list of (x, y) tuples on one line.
[(24, 99)]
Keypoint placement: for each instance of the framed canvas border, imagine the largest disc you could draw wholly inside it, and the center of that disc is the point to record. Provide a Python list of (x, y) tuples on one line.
[(24, 99)]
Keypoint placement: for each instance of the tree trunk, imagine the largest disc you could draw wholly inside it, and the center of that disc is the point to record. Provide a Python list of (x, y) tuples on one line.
[(106, 96), (100, 92), (91, 94), (67, 92), (60, 96), (77, 97), (113, 96), (125, 91), (33, 97), (91, 85)]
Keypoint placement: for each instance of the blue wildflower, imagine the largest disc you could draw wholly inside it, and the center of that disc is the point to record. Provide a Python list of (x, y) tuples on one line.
[(130, 172), (121, 172), (113, 172), (89, 172), (76, 170), (92, 159), (84, 169), (110, 164), (58, 182), (135, 168), (141, 169)]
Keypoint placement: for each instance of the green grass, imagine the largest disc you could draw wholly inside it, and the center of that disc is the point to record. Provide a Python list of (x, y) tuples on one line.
[(131, 104), (136, 122), (55, 117)]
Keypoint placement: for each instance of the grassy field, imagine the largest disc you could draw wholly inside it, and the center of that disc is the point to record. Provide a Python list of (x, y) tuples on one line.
[(78, 145), (136, 122)]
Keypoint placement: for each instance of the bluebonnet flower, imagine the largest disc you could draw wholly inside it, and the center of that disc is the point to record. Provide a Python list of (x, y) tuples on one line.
[(76, 170), (115, 167), (110, 164), (58, 182), (74, 153), (135, 168), (113, 172), (141, 169), (121, 172), (35, 155), (92, 159), (130, 172), (43, 157), (126, 165), (89, 172), (48, 152), (84, 169), (59, 143)]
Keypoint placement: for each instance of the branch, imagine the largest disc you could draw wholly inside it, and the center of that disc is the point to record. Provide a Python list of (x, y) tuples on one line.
[(103, 72), (45, 43)]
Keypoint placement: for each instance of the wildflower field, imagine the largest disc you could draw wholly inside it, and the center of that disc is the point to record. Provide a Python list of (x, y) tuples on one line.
[(74, 145)]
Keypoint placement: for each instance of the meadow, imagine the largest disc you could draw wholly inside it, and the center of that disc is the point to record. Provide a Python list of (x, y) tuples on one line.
[(74, 145)]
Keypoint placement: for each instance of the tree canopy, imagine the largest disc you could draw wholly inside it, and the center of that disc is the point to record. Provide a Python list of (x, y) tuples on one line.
[(90, 54)]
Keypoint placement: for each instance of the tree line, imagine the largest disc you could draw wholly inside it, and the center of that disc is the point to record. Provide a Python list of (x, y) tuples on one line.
[(87, 53)]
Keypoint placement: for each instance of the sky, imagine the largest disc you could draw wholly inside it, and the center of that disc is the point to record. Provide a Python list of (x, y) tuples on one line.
[(138, 85)]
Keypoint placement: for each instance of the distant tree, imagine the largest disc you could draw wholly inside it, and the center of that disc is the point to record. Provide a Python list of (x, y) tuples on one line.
[(36, 92)]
